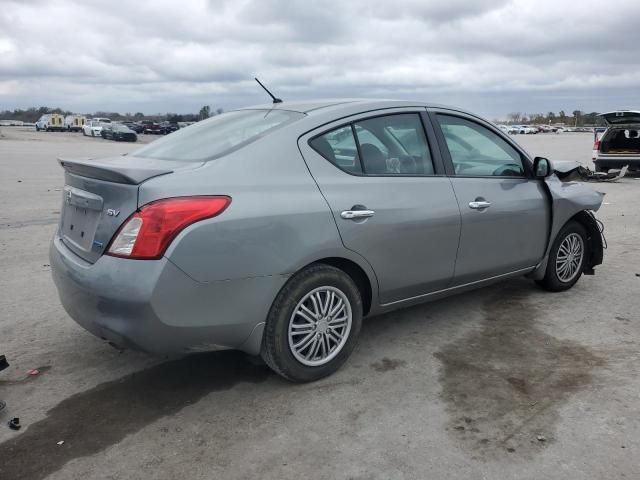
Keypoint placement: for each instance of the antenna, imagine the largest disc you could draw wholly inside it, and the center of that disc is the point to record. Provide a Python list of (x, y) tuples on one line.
[(275, 99)]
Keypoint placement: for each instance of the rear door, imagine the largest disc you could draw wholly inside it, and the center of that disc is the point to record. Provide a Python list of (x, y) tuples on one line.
[(390, 198), (505, 212)]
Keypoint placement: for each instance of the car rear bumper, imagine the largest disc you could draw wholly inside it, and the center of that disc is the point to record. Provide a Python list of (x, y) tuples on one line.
[(155, 307), (617, 162)]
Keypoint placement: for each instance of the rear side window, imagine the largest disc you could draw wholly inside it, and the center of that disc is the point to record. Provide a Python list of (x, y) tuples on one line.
[(217, 136), (339, 147), (385, 145)]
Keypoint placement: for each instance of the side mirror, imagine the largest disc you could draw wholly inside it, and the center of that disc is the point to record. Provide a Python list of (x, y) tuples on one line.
[(541, 167)]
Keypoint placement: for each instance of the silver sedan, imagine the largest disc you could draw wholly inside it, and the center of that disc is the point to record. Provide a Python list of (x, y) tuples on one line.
[(275, 229)]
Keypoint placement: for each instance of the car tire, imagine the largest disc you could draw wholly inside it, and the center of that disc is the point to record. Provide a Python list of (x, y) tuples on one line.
[(301, 346), (563, 267)]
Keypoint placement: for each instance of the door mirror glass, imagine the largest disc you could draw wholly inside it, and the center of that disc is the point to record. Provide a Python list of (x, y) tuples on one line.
[(541, 167)]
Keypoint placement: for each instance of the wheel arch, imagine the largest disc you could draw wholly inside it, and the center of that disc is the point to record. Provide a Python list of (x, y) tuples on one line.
[(357, 274), (595, 243), (366, 285)]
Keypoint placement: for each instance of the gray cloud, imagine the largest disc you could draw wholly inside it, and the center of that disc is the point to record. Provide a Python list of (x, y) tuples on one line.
[(492, 56)]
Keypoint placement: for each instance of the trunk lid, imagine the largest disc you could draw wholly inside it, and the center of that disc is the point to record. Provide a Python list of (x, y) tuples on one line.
[(622, 117), (99, 195)]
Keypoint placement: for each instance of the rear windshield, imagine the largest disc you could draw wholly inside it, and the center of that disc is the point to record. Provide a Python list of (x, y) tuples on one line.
[(217, 136)]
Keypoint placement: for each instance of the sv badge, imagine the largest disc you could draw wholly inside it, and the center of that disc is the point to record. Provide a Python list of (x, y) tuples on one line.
[(112, 212)]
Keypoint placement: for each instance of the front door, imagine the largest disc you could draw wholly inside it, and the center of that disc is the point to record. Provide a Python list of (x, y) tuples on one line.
[(505, 212), (392, 203)]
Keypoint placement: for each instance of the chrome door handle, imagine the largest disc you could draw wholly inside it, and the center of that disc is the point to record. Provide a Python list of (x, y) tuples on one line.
[(479, 205), (356, 214)]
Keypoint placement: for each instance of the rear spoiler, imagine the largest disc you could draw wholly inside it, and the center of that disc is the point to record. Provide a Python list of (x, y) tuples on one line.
[(123, 169)]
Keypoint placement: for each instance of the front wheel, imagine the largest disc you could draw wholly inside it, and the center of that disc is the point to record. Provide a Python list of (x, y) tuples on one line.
[(566, 259), (313, 324)]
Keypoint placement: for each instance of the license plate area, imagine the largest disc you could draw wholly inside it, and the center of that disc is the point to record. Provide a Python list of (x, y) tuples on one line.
[(80, 218), (79, 226)]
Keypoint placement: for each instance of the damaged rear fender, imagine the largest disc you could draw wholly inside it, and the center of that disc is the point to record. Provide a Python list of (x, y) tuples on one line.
[(573, 201)]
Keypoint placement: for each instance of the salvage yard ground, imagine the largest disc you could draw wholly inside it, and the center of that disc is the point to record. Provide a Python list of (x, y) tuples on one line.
[(507, 382)]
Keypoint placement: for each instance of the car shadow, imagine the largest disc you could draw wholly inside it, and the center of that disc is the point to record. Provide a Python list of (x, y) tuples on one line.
[(95, 419)]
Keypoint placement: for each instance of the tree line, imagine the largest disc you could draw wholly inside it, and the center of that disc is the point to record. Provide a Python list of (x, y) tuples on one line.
[(32, 114), (577, 118)]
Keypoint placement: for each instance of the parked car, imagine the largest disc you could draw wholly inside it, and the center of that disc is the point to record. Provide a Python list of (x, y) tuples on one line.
[(93, 128), (136, 127), (513, 129), (74, 123), (619, 144), (528, 130), (118, 132), (169, 127), (275, 229), (152, 128), (50, 122)]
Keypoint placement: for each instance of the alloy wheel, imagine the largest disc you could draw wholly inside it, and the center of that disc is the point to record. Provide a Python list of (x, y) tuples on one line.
[(569, 257), (319, 326)]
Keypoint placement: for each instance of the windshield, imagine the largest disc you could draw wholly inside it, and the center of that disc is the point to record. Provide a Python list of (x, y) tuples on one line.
[(217, 136)]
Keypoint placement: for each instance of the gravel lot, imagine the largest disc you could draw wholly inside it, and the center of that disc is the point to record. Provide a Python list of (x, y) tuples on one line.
[(507, 382)]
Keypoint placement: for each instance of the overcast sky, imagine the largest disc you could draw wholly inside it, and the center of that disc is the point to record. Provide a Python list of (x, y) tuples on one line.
[(491, 56)]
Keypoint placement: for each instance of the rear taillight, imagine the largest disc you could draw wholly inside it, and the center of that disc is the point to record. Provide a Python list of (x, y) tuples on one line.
[(596, 149), (148, 232)]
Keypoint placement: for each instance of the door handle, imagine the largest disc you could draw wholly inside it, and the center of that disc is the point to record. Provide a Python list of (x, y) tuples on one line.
[(479, 205), (356, 214)]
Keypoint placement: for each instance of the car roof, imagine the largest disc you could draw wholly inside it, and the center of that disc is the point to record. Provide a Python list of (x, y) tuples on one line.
[(322, 111), (335, 104)]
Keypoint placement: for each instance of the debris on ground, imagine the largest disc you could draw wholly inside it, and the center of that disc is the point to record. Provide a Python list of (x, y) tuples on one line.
[(14, 424), (61, 442), (541, 438), (33, 371), (568, 171), (3, 362)]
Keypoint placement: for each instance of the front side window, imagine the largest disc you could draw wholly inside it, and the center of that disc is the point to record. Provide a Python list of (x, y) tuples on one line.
[(218, 135), (387, 145), (476, 151)]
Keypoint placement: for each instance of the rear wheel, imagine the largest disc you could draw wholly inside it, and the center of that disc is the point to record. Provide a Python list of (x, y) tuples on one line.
[(566, 258), (313, 324)]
